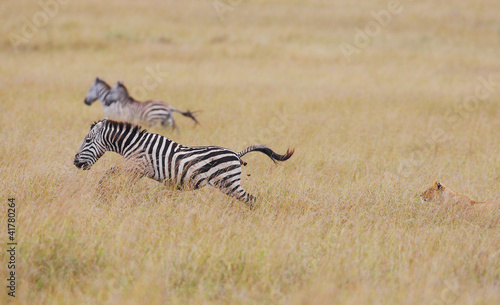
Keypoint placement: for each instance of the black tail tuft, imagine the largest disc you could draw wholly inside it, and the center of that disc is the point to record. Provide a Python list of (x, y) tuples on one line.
[(269, 152), (189, 114)]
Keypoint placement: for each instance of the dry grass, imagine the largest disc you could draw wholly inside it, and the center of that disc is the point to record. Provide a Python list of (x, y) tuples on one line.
[(339, 223)]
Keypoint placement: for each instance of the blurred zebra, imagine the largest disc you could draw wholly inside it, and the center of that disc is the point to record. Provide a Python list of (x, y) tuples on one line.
[(150, 112), (99, 91), (177, 166)]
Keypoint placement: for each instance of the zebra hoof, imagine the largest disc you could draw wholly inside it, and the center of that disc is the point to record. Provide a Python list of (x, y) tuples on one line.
[(252, 206)]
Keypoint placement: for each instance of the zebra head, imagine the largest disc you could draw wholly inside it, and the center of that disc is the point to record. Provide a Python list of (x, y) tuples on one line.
[(93, 146), (118, 93), (98, 90)]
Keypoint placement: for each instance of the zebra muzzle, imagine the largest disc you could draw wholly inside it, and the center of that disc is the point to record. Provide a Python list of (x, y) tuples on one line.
[(82, 165)]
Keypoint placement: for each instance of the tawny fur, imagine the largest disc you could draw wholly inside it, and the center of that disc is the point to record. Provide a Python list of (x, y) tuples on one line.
[(440, 193)]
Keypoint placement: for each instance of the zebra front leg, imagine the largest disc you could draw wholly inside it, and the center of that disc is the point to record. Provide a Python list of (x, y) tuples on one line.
[(108, 174), (114, 171), (103, 188)]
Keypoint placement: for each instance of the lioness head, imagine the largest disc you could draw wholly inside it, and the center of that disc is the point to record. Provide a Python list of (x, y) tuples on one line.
[(433, 193)]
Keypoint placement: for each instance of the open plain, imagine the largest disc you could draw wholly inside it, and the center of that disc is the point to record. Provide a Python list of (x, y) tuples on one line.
[(379, 101)]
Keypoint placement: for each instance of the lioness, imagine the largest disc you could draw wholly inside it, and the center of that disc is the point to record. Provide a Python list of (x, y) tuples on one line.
[(441, 193)]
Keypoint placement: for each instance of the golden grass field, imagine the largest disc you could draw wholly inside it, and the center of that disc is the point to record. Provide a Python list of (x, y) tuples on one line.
[(339, 223)]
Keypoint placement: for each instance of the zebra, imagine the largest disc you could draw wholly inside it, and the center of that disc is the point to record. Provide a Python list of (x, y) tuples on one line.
[(177, 166), (151, 112)]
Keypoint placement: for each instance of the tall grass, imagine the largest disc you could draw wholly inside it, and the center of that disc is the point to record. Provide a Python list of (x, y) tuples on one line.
[(339, 223)]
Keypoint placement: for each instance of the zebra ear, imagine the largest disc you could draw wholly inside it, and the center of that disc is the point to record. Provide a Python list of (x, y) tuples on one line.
[(98, 123)]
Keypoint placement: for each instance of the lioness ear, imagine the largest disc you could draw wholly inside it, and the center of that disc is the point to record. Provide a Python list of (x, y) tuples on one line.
[(439, 186)]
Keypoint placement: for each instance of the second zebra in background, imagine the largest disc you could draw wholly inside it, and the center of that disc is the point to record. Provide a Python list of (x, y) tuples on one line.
[(118, 104)]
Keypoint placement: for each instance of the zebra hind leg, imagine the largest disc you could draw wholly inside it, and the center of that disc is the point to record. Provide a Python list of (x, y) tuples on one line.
[(233, 188), (241, 195), (169, 122)]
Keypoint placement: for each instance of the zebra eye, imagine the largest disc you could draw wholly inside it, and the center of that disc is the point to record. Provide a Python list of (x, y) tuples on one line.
[(87, 140)]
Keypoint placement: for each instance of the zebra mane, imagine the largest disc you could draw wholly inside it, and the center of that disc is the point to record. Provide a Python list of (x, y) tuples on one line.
[(122, 87), (93, 124), (124, 125), (101, 81), (123, 92)]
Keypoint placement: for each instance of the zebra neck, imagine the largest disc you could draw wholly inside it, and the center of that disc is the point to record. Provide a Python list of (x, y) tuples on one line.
[(102, 92), (125, 139), (127, 99)]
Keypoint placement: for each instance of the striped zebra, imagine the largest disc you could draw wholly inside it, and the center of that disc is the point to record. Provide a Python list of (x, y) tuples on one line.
[(177, 166), (150, 112)]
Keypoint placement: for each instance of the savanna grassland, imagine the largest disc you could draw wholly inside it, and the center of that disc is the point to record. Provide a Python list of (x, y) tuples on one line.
[(415, 100)]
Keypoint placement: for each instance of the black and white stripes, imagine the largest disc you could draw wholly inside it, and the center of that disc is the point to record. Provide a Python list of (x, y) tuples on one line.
[(178, 166)]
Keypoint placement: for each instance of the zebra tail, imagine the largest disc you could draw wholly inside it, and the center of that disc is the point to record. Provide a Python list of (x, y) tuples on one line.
[(269, 152), (188, 114)]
